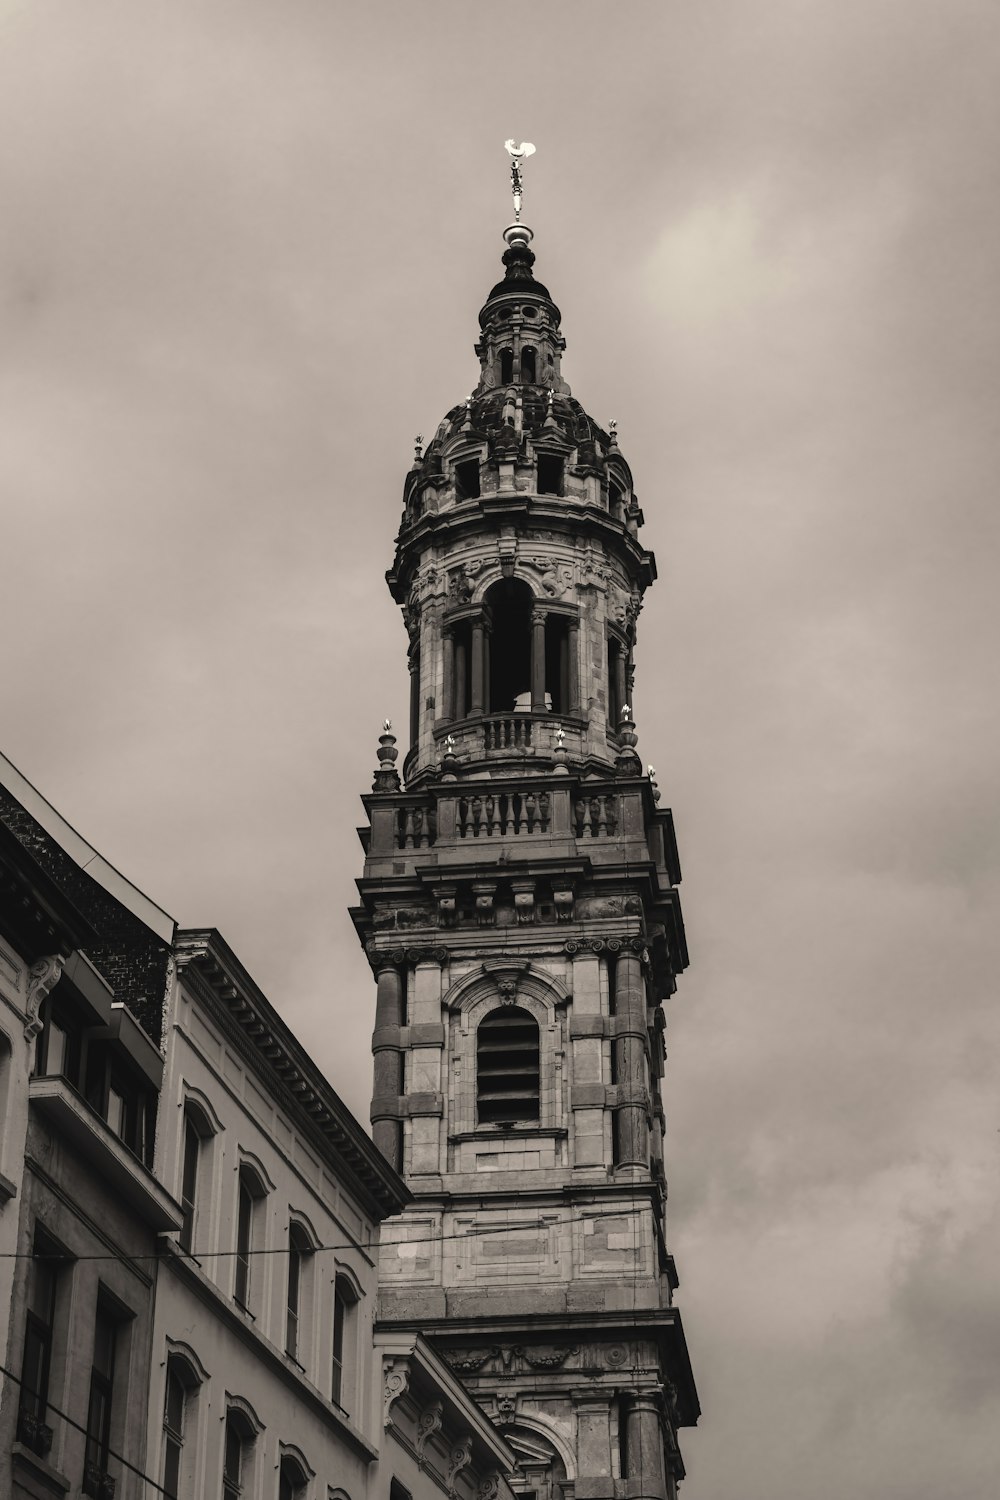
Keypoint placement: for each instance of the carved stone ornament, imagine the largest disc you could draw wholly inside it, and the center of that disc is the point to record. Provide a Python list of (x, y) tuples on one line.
[(43, 976), (460, 1458), (430, 1421), (397, 1381), (547, 1359), (468, 1360), (506, 1407), (490, 1487)]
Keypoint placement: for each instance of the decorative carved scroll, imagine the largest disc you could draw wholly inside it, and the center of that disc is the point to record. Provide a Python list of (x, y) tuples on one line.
[(43, 976)]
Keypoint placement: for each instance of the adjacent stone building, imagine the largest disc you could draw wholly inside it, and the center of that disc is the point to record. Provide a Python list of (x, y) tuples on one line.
[(267, 1380), (519, 908), (84, 968), (189, 1221)]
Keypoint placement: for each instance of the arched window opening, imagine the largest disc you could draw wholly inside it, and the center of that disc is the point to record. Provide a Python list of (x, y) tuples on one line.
[(550, 474), (292, 1479), (236, 1477), (178, 1409), (616, 500), (616, 682), (557, 663), (467, 480), (414, 697), (344, 1305), (195, 1134), (249, 1198), (507, 1067), (506, 366), (528, 365), (462, 668), (510, 603), (296, 1312)]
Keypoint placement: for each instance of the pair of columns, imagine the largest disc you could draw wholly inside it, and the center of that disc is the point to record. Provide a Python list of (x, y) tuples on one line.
[(456, 667)]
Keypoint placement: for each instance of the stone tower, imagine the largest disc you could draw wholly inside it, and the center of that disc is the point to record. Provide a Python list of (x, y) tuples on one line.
[(519, 908)]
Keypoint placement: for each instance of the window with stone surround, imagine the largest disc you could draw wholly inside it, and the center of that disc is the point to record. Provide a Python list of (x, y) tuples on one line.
[(507, 1067)]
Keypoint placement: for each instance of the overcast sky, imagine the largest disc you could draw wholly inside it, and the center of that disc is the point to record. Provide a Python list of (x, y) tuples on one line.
[(242, 249)]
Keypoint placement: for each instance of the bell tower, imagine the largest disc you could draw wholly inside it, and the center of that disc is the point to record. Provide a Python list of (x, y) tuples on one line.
[(519, 908)]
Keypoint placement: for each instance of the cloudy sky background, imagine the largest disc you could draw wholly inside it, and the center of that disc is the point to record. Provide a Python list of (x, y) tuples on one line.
[(242, 248)]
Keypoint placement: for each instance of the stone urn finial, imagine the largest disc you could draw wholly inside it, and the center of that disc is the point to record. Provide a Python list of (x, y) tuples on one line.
[(386, 776), (627, 762), (449, 761)]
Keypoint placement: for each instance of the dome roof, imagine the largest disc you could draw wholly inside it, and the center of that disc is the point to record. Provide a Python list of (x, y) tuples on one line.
[(518, 281), (485, 415)]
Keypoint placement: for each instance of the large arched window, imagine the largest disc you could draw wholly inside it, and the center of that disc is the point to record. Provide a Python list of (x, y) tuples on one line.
[(251, 1193), (528, 365), (507, 1067), (506, 366), (299, 1299), (293, 1479), (179, 1405), (345, 1302), (510, 602)]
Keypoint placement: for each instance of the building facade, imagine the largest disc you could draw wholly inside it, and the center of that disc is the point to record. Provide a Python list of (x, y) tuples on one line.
[(519, 908), (84, 962)]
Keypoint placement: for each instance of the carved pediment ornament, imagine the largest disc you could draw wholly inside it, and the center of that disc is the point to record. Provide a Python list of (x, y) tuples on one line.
[(43, 976), (467, 1360), (459, 1459), (430, 1421), (397, 1381)]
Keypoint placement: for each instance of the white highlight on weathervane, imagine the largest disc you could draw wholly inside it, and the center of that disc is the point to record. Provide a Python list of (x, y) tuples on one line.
[(518, 155)]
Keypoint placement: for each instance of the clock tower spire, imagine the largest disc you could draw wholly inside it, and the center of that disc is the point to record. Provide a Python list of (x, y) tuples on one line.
[(520, 911)]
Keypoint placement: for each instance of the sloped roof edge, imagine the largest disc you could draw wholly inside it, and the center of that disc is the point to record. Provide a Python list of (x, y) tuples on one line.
[(85, 855)]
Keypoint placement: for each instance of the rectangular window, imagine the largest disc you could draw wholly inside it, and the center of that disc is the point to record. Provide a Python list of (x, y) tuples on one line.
[(102, 1380), (467, 480), (36, 1364), (550, 474)]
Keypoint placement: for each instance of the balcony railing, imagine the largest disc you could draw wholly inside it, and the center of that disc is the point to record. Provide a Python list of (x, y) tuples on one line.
[(502, 814), (511, 732), (596, 817)]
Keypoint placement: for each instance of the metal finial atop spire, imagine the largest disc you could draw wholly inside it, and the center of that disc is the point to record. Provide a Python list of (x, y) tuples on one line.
[(518, 154)]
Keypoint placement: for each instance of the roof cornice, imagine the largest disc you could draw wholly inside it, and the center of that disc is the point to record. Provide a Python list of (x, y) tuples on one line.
[(291, 1073)]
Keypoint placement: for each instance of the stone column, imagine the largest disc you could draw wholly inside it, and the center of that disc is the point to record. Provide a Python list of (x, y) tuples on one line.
[(619, 665), (644, 1448), (631, 1127), (388, 1081), (573, 687), (460, 670), (448, 685), (538, 659), (478, 666), (414, 699)]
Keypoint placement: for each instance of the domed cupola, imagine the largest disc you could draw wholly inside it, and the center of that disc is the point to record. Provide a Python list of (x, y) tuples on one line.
[(521, 343)]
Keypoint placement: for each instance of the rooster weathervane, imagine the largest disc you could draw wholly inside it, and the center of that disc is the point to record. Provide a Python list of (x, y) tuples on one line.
[(517, 157)]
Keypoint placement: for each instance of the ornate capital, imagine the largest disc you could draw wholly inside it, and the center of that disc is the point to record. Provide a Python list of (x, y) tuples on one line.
[(43, 976)]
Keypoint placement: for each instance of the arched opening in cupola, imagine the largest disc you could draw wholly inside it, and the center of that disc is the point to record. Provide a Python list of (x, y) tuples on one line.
[(528, 365), (509, 602), (506, 366)]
